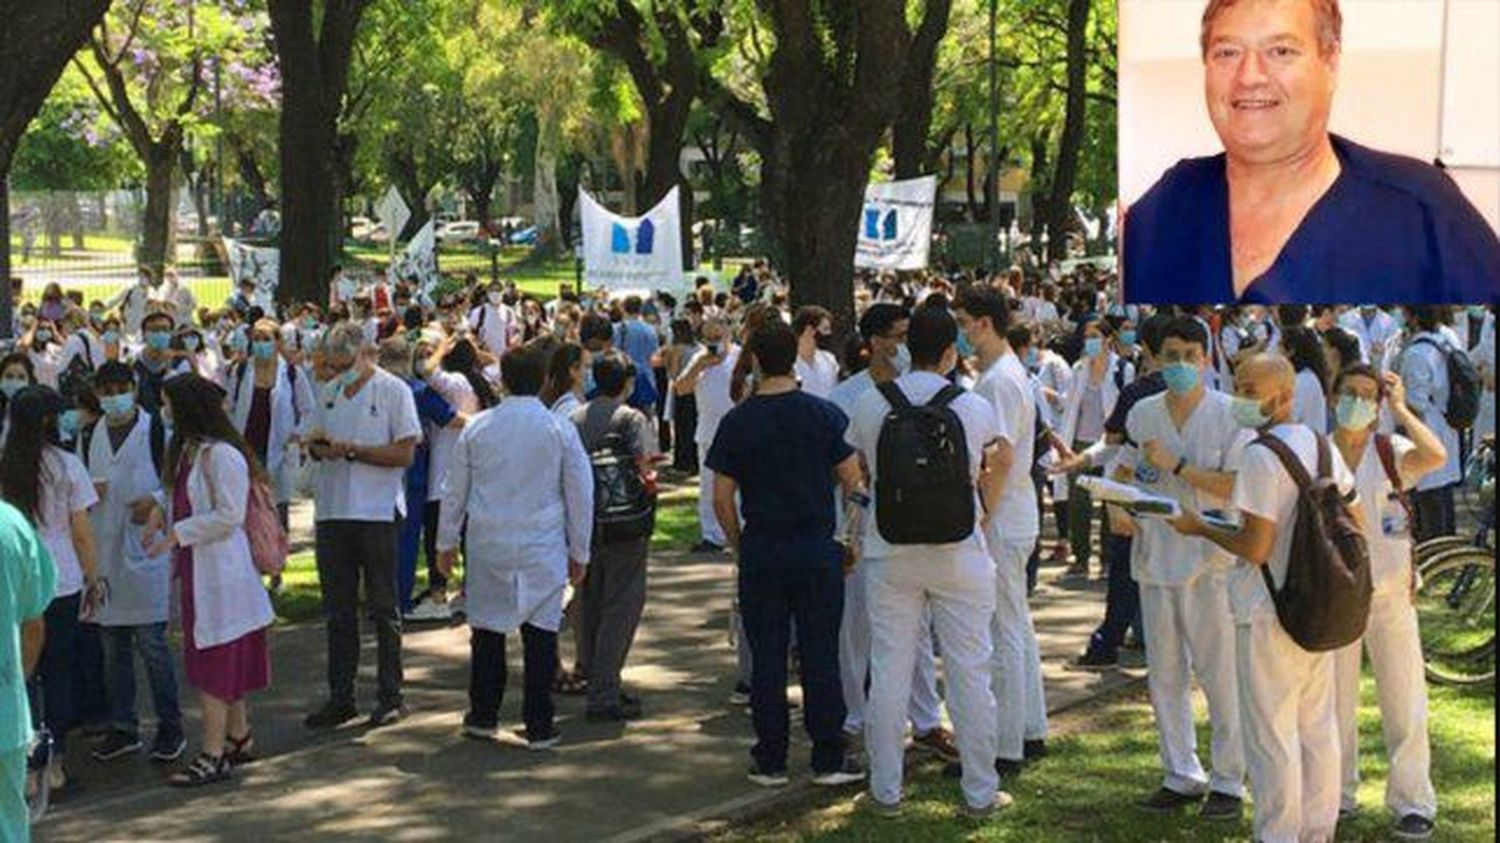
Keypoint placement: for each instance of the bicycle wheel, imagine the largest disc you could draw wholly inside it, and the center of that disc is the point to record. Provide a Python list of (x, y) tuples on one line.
[(1456, 615), (1429, 549)]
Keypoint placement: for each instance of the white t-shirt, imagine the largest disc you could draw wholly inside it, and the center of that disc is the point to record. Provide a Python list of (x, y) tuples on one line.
[(66, 489), (1006, 386), (818, 377), (712, 393), (846, 395), (1386, 527), (978, 419), (382, 412), (1211, 440), (1309, 404), (1263, 488), (493, 325)]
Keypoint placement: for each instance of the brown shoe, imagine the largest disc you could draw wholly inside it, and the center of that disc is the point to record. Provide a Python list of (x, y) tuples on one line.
[(939, 742)]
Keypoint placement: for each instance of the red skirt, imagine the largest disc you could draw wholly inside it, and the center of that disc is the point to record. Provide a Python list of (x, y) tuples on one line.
[(227, 671)]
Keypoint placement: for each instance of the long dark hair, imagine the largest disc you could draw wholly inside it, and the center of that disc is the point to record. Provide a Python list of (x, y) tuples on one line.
[(33, 426), (464, 359), (199, 418), (560, 371), (1305, 351), (15, 358)]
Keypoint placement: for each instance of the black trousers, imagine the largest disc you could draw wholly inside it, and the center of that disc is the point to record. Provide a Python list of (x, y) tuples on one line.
[(430, 513), (1435, 514), (487, 677), (770, 601), (349, 552), (1122, 602), (684, 423)]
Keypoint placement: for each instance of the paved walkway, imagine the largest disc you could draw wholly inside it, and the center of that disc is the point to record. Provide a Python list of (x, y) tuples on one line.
[(659, 777)]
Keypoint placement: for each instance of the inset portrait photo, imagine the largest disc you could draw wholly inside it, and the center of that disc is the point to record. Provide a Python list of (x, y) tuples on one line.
[(1308, 151)]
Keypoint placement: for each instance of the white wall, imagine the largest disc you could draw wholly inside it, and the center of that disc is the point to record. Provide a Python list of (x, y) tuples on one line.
[(1391, 93)]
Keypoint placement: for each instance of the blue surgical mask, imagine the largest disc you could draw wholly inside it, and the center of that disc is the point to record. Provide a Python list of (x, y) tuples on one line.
[(588, 380), (903, 359), (965, 348), (1181, 378), (67, 424), (111, 337), (10, 386), (1092, 346), (1128, 336), (190, 342), (158, 340), (1477, 311), (238, 342), (1355, 413), (44, 335), (1033, 358), (1248, 412), (117, 406), (348, 376), (264, 349)]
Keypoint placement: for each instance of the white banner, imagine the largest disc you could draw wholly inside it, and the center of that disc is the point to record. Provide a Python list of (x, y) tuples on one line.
[(261, 263), (631, 253), (420, 259), (895, 227), (393, 212)]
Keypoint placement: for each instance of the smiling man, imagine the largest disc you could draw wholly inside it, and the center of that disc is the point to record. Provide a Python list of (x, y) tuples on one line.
[(1289, 212)]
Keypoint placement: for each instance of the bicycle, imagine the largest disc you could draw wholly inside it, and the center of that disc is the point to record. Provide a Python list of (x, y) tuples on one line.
[(1455, 597)]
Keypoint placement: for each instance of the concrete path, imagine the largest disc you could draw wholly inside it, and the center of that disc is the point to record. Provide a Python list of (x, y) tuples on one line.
[(660, 777)]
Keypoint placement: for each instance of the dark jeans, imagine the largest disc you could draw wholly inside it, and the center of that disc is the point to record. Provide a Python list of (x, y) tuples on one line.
[(51, 690), (90, 694), (121, 643), (614, 595), (770, 601), (487, 677), (685, 422), (1122, 602), (418, 535), (1435, 514), (348, 552)]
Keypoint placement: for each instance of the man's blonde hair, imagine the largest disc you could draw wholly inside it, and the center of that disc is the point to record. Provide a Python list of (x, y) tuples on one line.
[(1330, 23)]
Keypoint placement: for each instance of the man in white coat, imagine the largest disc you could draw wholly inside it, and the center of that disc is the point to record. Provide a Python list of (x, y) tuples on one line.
[(521, 479), (1011, 529), (1188, 435), (1286, 692)]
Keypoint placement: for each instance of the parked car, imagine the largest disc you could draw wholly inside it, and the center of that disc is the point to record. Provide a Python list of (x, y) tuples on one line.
[(524, 237), (461, 231)]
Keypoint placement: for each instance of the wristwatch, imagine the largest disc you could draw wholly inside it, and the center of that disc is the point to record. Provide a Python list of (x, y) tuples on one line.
[(1181, 464)]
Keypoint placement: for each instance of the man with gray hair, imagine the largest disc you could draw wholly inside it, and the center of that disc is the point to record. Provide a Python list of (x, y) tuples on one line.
[(1290, 212), (364, 434)]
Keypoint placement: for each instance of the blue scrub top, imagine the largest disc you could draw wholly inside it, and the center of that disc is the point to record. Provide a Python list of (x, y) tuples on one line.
[(1390, 230)]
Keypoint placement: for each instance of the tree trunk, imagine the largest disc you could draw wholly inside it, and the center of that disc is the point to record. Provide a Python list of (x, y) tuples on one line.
[(156, 222), (549, 242), (910, 142), (820, 226), (1061, 218), (5, 302)]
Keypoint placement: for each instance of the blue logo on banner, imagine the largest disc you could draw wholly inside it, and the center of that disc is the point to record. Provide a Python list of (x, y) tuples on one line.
[(878, 225), (645, 239)]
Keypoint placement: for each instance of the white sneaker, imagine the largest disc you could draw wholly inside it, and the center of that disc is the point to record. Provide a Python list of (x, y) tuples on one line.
[(429, 610)]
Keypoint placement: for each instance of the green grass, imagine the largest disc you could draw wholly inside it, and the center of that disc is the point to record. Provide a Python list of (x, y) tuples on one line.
[(300, 598), (1106, 757), (112, 243)]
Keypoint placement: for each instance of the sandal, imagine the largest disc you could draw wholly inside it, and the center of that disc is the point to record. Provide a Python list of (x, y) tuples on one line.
[(205, 769), (240, 751), (570, 684)]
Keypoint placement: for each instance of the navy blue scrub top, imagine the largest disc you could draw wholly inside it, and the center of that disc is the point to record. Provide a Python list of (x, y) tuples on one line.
[(1390, 230)]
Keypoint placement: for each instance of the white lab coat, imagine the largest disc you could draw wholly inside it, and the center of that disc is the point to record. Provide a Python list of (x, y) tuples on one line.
[(521, 477), (1425, 373), (228, 598), (283, 458), (138, 584), (1375, 339), (1073, 403)]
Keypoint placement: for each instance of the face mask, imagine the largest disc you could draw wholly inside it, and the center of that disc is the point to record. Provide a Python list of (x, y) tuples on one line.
[(348, 376), (238, 342), (67, 424), (965, 348), (117, 406), (158, 340), (10, 386), (44, 336), (1399, 317), (1181, 378), (111, 337), (346, 288), (310, 323), (495, 298), (1355, 413), (265, 349), (1248, 413), (903, 359), (588, 380), (1128, 336), (1476, 312), (1033, 358), (96, 315), (1093, 346), (190, 342)]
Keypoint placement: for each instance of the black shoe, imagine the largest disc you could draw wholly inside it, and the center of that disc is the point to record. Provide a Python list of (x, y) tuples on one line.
[(1166, 800), (205, 770), (1413, 827), (168, 746), (1008, 768), (953, 770), (1221, 806), (740, 695), (707, 546), (385, 715), (540, 741), (631, 707), (1096, 661), (1035, 750), (847, 773), (117, 744), (331, 716), (768, 778)]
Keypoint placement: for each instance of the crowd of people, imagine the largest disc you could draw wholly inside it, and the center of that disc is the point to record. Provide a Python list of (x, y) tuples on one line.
[(883, 499)]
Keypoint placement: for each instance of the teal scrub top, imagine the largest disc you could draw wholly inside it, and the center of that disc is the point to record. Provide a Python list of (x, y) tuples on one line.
[(27, 579)]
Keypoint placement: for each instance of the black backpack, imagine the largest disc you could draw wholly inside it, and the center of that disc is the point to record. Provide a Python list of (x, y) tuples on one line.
[(1325, 601), (1464, 385), (624, 508), (924, 493)]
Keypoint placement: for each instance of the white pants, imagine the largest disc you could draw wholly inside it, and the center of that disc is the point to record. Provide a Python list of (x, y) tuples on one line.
[(1189, 632), (925, 709), (1291, 734), (1395, 650), (1016, 666), (708, 522), (961, 594)]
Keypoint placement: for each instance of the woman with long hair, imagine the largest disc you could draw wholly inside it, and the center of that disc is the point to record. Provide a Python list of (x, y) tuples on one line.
[(16, 373), (51, 487), (564, 378), (1310, 401), (464, 358), (225, 610)]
